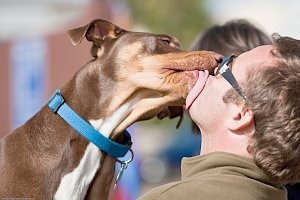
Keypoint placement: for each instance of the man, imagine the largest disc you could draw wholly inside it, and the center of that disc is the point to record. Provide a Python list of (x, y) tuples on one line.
[(250, 129)]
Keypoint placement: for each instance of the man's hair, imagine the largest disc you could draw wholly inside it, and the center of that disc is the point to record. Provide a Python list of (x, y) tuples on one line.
[(273, 94), (234, 37)]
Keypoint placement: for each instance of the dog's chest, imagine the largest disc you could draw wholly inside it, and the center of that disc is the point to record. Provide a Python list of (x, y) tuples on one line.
[(75, 184)]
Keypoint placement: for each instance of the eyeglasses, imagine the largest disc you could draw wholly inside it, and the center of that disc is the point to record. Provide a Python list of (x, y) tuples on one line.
[(224, 70)]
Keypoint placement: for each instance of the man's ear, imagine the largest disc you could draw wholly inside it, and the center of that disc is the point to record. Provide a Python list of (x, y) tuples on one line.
[(96, 31), (241, 118)]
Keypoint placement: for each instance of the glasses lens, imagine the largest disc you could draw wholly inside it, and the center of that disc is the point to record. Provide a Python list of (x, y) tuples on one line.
[(224, 65), (223, 69)]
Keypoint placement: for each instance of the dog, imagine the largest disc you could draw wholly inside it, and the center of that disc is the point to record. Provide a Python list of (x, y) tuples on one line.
[(133, 76)]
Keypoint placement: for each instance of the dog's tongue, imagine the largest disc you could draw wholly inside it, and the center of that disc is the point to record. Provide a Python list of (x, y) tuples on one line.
[(196, 90)]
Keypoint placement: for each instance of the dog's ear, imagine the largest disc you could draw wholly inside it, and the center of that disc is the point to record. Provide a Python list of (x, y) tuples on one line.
[(96, 31)]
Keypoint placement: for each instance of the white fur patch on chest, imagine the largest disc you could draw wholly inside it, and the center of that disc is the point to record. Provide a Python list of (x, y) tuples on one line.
[(75, 184)]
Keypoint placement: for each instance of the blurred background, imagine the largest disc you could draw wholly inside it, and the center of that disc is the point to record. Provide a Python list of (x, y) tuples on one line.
[(36, 57)]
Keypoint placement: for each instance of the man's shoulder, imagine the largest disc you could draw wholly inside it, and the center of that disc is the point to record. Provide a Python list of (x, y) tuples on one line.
[(187, 190), (214, 187)]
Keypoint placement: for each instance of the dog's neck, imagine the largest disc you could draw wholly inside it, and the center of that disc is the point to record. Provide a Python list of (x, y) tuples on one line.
[(104, 113)]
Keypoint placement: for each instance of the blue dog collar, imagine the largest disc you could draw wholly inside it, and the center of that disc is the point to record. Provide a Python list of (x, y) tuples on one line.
[(58, 105)]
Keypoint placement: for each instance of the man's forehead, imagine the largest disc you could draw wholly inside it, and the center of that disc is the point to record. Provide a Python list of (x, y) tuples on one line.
[(258, 57), (261, 54), (258, 52)]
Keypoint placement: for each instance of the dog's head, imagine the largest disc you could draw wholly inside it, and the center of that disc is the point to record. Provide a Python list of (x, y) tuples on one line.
[(147, 71)]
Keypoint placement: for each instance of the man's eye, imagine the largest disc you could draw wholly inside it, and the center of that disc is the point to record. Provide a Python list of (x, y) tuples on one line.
[(229, 65), (230, 62)]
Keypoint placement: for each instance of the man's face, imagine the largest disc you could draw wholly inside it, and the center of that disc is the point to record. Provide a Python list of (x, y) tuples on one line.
[(209, 110)]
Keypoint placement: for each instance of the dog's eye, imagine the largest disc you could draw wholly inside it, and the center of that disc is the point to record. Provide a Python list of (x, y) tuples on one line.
[(119, 31), (166, 40), (169, 42)]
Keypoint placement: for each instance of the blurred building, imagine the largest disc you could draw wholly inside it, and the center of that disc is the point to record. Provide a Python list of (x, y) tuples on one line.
[(36, 55)]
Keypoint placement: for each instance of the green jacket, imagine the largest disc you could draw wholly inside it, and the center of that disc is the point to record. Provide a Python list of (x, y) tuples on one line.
[(220, 176)]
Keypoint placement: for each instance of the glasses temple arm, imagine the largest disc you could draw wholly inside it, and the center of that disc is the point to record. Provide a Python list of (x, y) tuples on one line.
[(230, 78)]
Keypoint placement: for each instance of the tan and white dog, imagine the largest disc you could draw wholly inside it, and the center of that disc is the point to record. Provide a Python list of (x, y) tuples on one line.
[(133, 76)]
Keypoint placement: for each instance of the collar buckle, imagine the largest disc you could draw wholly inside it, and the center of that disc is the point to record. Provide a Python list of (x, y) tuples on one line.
[(56, 101)]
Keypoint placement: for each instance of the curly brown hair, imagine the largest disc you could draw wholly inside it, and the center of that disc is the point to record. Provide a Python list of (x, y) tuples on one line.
[(274, 97)]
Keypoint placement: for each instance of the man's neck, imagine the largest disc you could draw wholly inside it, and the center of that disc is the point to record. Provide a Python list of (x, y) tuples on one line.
[(224, 142)]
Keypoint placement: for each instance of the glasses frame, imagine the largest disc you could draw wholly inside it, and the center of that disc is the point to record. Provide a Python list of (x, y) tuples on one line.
[(224, 70)]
